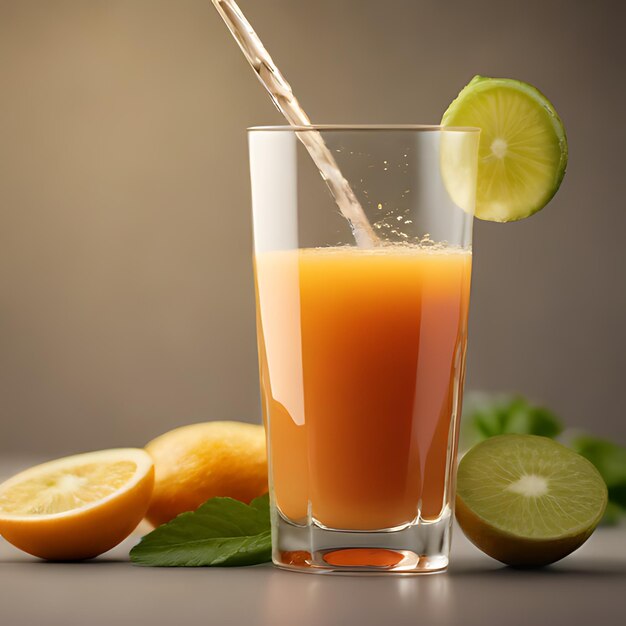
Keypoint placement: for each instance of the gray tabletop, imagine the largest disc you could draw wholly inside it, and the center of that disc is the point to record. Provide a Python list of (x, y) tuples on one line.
[(589, 587)]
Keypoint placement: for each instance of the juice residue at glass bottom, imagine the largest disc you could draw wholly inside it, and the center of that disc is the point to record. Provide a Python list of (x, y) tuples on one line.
[(363, 557)]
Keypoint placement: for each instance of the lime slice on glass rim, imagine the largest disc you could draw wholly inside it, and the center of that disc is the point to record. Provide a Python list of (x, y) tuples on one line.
[(523, 148), (527, 500)]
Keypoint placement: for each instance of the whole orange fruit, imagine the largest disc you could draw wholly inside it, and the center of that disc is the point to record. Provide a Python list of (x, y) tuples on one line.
[(201, 461)]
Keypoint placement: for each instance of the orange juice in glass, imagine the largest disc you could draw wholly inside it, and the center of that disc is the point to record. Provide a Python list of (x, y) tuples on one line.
[(362, 348)]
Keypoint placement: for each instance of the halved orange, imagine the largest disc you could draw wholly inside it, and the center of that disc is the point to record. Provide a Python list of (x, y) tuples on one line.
[(79, 506)]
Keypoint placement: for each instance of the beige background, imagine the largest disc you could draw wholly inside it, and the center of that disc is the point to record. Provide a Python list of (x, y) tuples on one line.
[(126, 302)]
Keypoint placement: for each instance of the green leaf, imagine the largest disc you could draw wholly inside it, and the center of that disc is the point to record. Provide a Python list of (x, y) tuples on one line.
[(487, 415), (610, 460), (222, 532)]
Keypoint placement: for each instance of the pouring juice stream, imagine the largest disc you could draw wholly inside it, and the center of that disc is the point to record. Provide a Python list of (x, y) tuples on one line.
[(283, 98)]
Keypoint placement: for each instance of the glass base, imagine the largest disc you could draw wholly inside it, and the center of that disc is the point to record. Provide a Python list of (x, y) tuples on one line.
[(417, 548)]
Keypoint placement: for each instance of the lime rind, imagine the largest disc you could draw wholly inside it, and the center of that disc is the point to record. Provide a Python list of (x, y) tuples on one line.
[(523, 147), (569, 496)]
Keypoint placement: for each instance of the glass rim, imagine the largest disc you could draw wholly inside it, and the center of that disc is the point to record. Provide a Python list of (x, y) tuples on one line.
[(365, 127)]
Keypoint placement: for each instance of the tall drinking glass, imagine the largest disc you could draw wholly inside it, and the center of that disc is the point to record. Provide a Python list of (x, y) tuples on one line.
[(362, 349)]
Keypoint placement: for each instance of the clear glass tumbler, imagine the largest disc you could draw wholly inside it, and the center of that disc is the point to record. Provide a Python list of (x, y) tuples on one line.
[(362, 348)]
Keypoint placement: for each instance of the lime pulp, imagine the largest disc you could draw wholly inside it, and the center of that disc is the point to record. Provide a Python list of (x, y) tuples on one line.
[(531, 487)]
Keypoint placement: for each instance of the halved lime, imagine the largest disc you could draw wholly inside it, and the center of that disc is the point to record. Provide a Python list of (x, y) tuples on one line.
[(528, 500), (523, 147)]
